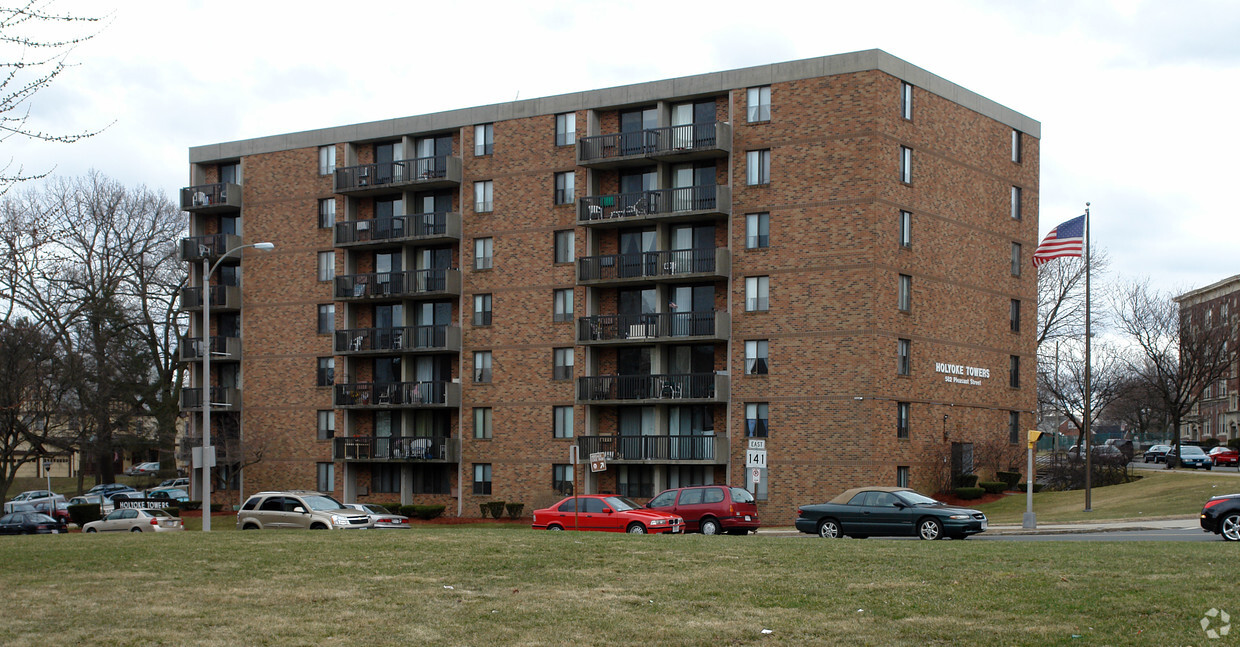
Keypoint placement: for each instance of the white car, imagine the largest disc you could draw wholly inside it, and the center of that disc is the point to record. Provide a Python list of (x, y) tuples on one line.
[(380, 517), (33, 496), (135, 520)]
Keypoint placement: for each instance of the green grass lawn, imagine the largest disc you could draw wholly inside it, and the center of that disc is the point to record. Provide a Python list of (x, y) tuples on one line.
[(508, 585), (1156, 494)]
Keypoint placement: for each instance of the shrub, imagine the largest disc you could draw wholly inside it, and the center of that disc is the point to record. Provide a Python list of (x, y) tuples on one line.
[(993, 487), (393, 508), (1037, 487), (1234, 443), (1010, 479), (407, 510), (968, 493), (191, 505), (514, 510), (1209, 443), (427, 511), (217, 507), (493, 508), (84, 513), (966, 480), (176, 512)]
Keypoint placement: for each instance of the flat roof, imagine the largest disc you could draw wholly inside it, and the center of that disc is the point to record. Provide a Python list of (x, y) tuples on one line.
[(1214, 290), (685, 86)]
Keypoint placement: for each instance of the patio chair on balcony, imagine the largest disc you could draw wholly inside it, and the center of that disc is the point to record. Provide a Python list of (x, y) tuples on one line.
[(385, 396), (359, 286), (201, 199), (356, 344), (421, 448), (596, 212)]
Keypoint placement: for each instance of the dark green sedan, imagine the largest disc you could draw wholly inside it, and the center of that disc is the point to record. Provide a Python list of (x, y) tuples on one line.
[(888, 512)]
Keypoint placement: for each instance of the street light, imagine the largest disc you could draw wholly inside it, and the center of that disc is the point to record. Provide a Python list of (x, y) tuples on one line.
[(207, 270)]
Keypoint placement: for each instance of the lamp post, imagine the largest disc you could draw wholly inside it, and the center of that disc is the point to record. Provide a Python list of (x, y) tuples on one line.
[(207, 270)]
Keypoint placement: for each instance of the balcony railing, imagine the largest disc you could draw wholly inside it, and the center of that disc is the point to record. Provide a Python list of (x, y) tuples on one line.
[(224, 398), (208, 198), (196, 248), (397, 448), (223, 297), (223, 349), (654, 326), (421, 226), (444, 337), (398, 284), (657, 203), (642, 266), (710, 387), (424, 172), (708, 448), (685, 142), (398, 394)]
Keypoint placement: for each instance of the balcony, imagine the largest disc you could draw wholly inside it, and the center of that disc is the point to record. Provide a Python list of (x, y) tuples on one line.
[(416, 449), (223, 398), (708, 449), (603, 330), (666, 205), (388, 395), (421, 227), (223, 297), (665, 266), (223, 349), (418, 174), (407, 339), (690, 388), (211, 198), (668, 144), (197, 248), (388, 285)]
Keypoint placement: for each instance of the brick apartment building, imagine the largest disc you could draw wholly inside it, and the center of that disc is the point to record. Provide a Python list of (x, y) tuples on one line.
[(1217, 413), (830, 256)]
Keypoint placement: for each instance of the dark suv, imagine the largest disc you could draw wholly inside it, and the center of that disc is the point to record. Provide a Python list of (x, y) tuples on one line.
[(710, 509)]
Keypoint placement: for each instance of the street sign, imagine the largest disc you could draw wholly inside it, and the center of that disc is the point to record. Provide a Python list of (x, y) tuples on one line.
[(598, 462), (755, 475), (47, 466), (755, 458), (757, 443)]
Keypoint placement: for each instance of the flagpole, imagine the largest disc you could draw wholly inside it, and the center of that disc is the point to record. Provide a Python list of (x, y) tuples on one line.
[(1088, 450)]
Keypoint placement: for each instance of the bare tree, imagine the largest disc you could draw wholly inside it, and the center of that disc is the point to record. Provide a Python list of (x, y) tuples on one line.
[(30, 398), (1061, 383), (1061, 296), (1138, 408)]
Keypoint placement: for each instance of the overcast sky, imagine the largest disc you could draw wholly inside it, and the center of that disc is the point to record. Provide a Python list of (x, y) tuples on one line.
[(1137, 100)]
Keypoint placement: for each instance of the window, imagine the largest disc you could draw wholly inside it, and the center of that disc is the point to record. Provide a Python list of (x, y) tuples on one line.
[(902, 410), (1014, 371), (906, 229), (562, 479), (566, 129), (562, 422), (757, 230), (327, 266), (482, 309), (326, 375), (756, 414), (759, 103), (757, 293), (1015, 259), (906, 165), (1016, 151), (482, 366), (1015, 203), (327, 318), (327, 160), (1014, 427), (1014, 315), (482, 196), (562, 364), (482, 253), (565, 243), (482, 478), (903, 362), (906, 101), (756, 357), (758, 167), (482, 422), (230, 173), (327, 424), (385, 478), (484, 139), (905, 297), (902, 476), (326, 480), (327, 213), (564, 193), (563, 305)]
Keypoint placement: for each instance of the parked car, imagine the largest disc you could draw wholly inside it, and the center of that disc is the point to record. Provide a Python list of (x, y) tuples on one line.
[(888, 511), (1221, 516), (1194, 457), (606, 513), (1224, 456), (710, 509), (104, 503), (58, 510), (106, 488), (135, 520), (124, 494), (380, 517), (1156, 454), (30, 523), (298, 509), (180, 482), (33, 496), (1104, 453), (169, 494), (143, 469)]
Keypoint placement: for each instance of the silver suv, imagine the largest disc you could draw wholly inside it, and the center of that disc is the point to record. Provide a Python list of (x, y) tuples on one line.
[(298, 509)]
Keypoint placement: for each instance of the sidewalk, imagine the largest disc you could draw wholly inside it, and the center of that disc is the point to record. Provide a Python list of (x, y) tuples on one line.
[(1159, 523)]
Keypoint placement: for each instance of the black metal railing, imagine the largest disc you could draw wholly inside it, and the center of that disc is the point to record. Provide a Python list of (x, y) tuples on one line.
[(416, 448), (221, 396), (646, 203), (646, 326), (650, 448), (646, 387), (382, 173), (646, 264), (357, 340), (210, 246), (191, 347), (380, 394), (383, 284), (669, 139), (204, 195), (191, 297), (378, 229)]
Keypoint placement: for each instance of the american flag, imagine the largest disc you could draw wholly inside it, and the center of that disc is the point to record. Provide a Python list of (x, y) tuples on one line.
[(1068, 239)]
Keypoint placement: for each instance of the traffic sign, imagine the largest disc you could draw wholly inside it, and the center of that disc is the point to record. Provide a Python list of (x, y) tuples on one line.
[(757, 443), (755, 475), (598, 462), (755, 458)]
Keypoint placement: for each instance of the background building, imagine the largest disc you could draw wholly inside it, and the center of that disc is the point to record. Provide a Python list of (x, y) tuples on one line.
[(1217, 413), (829, 256)]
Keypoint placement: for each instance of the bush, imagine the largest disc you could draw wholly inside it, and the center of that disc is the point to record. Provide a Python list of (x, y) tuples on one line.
[(393, 508), (1037, 487), (968, 493), (514, 510), (1234, 443), (191, 505), (426, 511), (176, 512), (993, 487), (1209, 443), (84, 513), (966, 480), (217, 507), (493, 508), (1010, 479)]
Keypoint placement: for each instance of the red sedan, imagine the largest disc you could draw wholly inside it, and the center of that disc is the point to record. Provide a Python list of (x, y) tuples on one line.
[(1224, 456), (607, 513)]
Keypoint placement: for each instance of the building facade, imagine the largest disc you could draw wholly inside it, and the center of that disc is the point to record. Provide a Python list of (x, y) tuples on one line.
[(1217, 412), (799, 278)]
